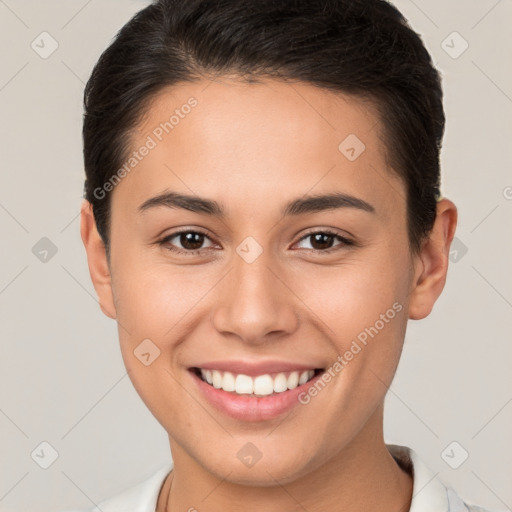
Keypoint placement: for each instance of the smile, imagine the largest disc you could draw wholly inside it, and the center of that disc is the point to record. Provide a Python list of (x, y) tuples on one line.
[(258, 385), (253, 391)]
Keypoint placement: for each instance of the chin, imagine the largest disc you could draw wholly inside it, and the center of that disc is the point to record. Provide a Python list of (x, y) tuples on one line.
[(266, 471)]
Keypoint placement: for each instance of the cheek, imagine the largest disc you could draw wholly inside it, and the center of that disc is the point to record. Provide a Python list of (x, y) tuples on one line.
[(160, 308), (361, 308), (153, 303), (352, 295), (153, 299)]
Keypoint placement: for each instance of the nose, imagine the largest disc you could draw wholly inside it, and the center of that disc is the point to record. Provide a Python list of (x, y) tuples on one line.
[(254, 302)]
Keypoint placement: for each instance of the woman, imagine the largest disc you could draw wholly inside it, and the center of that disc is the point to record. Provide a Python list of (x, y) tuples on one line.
[(262, 216)]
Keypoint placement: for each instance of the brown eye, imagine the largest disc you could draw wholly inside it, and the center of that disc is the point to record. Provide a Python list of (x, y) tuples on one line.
[(191, 240), (323, 241), (185, 242)]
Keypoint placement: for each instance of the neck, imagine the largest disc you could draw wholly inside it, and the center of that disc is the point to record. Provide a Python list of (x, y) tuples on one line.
[(362, 476)]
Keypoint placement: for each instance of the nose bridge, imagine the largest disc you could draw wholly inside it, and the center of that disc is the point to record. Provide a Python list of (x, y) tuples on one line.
[(252, 302)]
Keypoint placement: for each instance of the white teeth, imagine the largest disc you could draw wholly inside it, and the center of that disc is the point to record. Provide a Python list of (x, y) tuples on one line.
[(293, 380), (303, 377), (228, 382), (280, 383), (244, 385), (216, 379), (261, 385)]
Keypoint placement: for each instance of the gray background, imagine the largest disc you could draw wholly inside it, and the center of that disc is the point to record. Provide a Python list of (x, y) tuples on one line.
[(62, 379)]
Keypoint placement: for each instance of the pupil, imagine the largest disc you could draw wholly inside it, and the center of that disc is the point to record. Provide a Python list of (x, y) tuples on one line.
[(188, 242), (320, 238)]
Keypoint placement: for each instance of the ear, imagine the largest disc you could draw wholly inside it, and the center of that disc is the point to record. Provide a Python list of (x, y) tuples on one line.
[(431, 264), (97, 260)]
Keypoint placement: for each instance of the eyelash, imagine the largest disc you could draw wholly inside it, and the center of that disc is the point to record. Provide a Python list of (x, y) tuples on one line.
[(344, 241)]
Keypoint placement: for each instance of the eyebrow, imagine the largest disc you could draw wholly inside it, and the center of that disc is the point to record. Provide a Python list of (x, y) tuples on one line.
[(300, 206)]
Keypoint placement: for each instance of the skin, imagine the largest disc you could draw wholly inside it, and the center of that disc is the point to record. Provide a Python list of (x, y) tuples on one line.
[(253, 148)]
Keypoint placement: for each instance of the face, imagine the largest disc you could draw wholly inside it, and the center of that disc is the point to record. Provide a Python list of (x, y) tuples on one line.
[(261, 287)]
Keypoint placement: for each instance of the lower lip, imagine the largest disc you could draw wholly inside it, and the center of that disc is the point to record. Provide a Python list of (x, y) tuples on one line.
[(252, 408)]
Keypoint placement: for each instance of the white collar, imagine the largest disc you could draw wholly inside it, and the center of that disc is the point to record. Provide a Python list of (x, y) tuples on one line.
[(429, 494)]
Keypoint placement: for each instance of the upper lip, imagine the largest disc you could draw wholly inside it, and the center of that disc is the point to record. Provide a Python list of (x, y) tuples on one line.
[(252, 368)]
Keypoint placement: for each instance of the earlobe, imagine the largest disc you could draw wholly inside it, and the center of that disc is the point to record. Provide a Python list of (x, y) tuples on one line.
[(97, 260), (432, 262)]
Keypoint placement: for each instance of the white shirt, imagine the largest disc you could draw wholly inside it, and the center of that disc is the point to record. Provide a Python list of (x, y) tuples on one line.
[(429, 493)]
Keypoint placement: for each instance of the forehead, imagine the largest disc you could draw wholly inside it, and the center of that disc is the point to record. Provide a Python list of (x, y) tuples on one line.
[(264, 141)]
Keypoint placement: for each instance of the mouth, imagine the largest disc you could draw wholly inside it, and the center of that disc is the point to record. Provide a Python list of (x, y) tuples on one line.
[(263, 385), (254, 393)]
